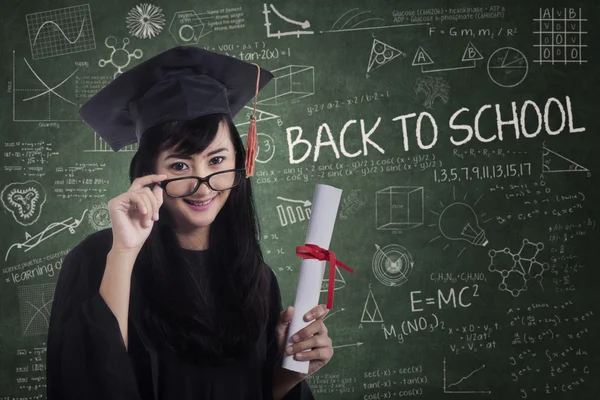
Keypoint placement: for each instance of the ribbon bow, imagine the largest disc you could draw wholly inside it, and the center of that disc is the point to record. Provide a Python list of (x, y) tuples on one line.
[(314, 252)]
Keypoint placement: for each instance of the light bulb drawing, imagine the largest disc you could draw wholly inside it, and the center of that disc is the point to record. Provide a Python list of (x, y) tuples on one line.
[(458, 221)]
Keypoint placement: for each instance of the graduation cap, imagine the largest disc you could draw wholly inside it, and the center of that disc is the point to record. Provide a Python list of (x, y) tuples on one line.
[(182, 83)]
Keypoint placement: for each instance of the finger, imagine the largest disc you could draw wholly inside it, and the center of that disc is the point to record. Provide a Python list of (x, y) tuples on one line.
[(315, 327), (150, 208), (285, 317), (142, 181), (321, 353), (312, 342), (158, 193), (317, 312), (153, 201), (137, 202)]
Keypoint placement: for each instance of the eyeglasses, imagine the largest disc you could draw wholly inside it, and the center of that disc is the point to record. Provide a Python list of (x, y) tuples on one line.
[(188, 185)]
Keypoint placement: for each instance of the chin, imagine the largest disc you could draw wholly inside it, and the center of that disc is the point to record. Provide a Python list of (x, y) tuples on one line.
[(194, 218)]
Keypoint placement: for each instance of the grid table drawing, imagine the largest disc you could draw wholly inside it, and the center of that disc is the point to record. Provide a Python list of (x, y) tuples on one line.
[(560, 33), (61, 31)]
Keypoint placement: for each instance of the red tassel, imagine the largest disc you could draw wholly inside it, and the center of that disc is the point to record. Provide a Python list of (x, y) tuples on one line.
[(252, 140), (251, 147)]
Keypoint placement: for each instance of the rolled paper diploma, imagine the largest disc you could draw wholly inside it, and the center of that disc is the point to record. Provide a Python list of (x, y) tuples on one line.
[(325, 205)]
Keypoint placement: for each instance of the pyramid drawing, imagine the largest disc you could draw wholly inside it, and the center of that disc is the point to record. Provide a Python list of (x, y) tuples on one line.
[(371, 311), (555, 162), (381, 54)]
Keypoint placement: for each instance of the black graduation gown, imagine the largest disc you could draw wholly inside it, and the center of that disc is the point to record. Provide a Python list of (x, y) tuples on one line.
[(87, 358)]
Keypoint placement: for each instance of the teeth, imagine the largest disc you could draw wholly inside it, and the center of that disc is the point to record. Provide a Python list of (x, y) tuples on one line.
[(199, 204)]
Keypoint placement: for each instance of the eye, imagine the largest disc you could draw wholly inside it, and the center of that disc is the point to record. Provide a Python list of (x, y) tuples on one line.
[(217, 160), (178, 166)]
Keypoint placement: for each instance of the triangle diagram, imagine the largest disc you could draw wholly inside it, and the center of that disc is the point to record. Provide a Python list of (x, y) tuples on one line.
[(555, 162), (421, 58), (381, 54), (260, 116), (371, 311), (471, 53)]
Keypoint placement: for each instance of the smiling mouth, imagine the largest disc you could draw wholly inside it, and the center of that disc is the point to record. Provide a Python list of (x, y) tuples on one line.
[(198, 203)]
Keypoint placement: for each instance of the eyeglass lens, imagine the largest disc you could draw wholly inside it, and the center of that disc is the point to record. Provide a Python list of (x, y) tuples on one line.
[(220, 181)]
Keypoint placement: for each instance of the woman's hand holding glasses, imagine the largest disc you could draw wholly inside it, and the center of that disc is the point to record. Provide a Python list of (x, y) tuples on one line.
[(132, 214)]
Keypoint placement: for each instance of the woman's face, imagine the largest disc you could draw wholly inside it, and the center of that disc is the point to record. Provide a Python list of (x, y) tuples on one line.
[(194, 213)]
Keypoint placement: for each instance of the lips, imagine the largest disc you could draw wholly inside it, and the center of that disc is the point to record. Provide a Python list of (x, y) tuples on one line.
[(198, 203)]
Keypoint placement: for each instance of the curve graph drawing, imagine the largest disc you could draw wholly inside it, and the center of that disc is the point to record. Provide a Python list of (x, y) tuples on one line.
[(61, 31)]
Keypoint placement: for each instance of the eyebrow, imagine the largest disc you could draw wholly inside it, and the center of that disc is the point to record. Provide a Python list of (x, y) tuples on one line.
[(210, 153)]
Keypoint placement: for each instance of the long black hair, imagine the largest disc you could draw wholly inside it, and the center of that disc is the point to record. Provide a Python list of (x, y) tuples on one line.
[(200, 318)]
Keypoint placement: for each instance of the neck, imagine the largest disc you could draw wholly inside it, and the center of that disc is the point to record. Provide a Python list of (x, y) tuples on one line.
[(194, 240)]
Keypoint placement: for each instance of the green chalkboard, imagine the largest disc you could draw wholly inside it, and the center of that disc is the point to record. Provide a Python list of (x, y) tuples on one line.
[(463, 135)]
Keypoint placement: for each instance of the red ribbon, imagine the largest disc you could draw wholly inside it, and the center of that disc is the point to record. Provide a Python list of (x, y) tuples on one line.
[(314, 252)]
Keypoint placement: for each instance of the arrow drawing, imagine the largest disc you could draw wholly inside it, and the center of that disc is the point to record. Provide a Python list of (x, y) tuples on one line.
[(305, 203), (349, 345)]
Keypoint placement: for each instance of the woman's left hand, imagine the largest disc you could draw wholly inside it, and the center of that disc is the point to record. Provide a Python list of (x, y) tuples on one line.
[(314, 337)]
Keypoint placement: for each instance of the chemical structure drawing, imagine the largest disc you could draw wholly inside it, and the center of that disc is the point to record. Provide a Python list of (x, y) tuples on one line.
[(518, 268), (119, 57)]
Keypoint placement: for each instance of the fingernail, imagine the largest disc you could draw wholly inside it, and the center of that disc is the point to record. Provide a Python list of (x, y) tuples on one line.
[(156, 216), (295, 338), (289, 349), (309, 316), (299, 356)]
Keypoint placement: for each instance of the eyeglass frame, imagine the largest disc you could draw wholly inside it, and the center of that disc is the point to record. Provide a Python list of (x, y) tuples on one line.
[(200, 181)]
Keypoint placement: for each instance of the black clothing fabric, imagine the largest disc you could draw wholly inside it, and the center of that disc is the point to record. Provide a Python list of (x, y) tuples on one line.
[(87, 358)]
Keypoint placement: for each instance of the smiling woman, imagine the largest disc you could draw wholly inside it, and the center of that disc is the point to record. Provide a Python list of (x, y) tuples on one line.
[(175, 301), (204, 147)]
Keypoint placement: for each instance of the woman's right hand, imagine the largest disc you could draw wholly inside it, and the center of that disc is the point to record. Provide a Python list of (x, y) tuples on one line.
[(132, 214)]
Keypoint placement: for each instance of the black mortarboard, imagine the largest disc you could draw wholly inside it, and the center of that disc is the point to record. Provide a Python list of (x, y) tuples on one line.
[(182, 83)]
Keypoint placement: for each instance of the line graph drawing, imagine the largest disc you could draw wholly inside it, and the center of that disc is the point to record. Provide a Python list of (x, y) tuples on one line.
[(34, 308), (556, 162), (51, 230), (507, 67), (348, 22), (61, 31), (304, 25), (38, 107), (469, 59), (464, 378)]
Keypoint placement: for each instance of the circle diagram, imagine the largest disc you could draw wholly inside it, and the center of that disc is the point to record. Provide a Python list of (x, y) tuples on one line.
[(265, 149), (99, 217), (507, 67), (392, 265)]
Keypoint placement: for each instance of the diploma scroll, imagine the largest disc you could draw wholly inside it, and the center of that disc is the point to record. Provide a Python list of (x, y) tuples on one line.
[(325, 205)]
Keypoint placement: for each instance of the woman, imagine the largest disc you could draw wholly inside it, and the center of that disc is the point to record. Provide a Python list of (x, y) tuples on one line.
[(175, 300)]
